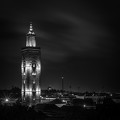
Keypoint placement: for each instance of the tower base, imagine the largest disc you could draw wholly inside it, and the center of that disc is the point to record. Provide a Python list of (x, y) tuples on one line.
[(31, 98)]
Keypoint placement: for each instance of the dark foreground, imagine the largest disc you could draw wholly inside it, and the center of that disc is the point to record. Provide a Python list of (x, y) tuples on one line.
[(52, 112)]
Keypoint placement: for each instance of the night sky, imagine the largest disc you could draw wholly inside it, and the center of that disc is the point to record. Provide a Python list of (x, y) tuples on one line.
[(78, 40)]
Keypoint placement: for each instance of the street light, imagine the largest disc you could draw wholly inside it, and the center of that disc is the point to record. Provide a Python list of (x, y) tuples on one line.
[(6, 100), (62, 83)]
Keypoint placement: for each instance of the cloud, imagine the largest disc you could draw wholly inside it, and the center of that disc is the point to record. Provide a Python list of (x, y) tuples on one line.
[(61, 34), (65, 34)]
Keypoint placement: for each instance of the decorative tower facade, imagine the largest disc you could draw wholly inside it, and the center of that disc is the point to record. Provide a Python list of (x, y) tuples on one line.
[(31, 70)]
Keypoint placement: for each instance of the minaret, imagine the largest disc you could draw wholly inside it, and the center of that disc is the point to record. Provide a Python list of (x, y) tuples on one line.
[(31, 70)]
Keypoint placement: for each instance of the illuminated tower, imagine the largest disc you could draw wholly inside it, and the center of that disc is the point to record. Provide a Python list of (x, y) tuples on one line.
[(31, 70)]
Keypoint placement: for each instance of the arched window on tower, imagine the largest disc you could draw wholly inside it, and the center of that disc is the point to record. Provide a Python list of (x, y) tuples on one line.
[(34, 69)]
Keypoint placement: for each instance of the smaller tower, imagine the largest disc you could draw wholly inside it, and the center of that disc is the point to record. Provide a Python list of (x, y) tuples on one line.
[(30, 40), (62, 83)]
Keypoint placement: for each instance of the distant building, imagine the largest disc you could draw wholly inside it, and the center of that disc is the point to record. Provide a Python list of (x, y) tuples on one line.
[(31, 70), (49, 88)]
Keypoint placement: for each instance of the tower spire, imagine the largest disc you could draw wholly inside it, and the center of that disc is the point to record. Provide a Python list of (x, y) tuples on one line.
[(30, 41)]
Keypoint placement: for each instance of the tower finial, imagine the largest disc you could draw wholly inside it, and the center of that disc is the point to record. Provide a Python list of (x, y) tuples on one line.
[(31, 29)]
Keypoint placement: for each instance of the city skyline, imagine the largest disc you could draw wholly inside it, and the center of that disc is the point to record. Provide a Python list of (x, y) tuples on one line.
[(77, 40)]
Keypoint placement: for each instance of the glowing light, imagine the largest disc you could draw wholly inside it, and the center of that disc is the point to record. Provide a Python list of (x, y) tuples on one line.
[(31, 27), (30, 42), (50, 98), (41, 97), (37, 89), (38, 67), (33, 82), (64, 101), (33, 73), (84, 105), (28, 66), (6, 100), (28, 93), (22, 67), (33, 65), (28, 90)]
